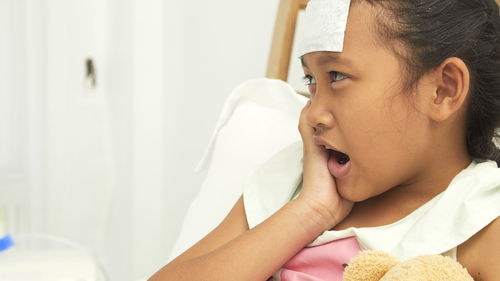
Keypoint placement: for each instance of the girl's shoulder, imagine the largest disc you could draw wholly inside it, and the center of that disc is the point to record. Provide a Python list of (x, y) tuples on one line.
[(481, 253)]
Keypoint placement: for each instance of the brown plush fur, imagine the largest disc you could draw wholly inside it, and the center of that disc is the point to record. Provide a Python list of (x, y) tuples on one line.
[(380, 266)]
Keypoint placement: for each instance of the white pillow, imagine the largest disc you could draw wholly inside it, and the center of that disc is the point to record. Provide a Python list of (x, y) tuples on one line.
[(259, 118)]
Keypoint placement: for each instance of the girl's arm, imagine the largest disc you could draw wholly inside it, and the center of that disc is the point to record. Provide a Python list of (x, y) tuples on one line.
[(481, 254), (232, 252)]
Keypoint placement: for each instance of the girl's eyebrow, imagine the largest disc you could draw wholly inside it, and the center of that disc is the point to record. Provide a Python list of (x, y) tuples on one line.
[(329, 58)]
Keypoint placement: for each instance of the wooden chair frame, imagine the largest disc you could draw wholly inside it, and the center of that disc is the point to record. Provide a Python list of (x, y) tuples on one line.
[(278, 63)]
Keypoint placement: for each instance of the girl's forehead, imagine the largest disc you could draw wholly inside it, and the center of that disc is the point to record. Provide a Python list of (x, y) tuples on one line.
[(358, 37), (360, 42)]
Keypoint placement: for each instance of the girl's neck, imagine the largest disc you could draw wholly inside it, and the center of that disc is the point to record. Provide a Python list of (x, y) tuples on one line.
[(398, 202)]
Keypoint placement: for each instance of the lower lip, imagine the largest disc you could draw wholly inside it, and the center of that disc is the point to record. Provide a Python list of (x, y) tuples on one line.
[(337, 170)]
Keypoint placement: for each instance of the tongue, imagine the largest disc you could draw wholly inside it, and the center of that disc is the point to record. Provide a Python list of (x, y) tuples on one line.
[(339, 164)]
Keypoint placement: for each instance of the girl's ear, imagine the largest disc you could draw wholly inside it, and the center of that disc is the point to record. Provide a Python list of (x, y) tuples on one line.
[(452, 81)]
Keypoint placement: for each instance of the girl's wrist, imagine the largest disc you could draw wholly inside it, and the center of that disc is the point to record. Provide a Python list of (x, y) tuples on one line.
[(312, 217)]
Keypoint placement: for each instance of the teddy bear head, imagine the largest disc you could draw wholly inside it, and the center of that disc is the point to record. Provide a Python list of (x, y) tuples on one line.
[(380, 266)]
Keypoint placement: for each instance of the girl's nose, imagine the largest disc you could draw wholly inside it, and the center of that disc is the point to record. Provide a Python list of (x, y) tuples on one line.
[(320, 116)]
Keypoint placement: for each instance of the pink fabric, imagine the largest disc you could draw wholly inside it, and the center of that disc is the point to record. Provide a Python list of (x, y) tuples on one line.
[(321, 263)]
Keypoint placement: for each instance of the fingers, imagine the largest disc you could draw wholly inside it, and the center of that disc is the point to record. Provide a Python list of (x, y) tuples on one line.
[(306, 131), (303, 126)]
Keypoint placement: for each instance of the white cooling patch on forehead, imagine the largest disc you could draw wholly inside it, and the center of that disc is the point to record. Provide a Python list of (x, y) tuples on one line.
[(324, 26)]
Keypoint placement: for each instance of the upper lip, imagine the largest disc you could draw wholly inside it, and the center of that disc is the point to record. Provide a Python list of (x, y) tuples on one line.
[(319, 141)]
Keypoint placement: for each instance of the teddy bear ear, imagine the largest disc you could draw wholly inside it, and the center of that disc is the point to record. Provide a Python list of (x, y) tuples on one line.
[(369, 266), (428, 267)]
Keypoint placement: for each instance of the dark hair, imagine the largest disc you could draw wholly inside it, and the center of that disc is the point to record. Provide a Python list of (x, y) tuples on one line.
[(434, 30)]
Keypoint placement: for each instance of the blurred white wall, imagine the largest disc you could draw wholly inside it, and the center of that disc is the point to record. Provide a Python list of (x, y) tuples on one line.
[(211, 47), (112, 167), (218, 44)]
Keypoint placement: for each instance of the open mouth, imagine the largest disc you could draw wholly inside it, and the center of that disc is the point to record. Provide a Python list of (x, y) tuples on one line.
[(339, 163), (340, 157)]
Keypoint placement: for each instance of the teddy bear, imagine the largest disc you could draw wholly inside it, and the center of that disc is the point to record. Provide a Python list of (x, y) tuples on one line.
[(380, 266)]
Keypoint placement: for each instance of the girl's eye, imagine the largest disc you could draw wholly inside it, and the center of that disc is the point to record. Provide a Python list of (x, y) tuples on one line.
[(337, 76), (309, 80)]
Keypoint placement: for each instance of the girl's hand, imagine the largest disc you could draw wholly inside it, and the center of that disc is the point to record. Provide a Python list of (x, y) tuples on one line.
[(318, 188)]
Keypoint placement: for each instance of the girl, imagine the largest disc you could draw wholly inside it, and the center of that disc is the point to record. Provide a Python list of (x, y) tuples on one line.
[(397, 151)]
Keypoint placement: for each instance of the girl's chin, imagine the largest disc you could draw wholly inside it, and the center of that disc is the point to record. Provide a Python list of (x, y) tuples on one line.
[(350, 192)]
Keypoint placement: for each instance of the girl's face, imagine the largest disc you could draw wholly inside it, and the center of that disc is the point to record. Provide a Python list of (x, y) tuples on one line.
[(358, 107)]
